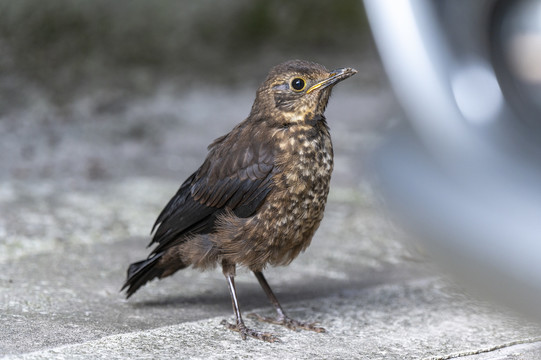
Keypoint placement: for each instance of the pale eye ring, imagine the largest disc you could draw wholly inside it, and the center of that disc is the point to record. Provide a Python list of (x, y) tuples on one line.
[(298, 84)]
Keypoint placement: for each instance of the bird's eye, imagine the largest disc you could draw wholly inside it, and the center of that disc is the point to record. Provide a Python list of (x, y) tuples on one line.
[(298, 84)]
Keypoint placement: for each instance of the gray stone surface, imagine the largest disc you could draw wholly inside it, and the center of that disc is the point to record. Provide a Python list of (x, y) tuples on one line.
[(79, 193)]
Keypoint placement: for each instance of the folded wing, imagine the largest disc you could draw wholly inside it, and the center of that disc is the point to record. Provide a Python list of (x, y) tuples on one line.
[(236, 176)]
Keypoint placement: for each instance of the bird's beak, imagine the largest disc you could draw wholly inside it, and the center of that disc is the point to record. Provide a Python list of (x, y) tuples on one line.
[(335, 77)]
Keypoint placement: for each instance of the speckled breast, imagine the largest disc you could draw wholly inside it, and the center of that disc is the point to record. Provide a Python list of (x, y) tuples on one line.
[(296, 205)]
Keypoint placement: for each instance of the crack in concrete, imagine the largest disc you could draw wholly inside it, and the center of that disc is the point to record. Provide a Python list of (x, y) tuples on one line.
[(488, 349)]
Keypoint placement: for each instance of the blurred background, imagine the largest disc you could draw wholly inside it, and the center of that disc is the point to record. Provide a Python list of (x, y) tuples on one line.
[(92, 89), (69, 45), (462, 171)]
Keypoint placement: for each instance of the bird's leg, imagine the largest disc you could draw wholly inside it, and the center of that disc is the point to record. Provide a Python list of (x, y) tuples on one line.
[(229, 272), (282, 318)]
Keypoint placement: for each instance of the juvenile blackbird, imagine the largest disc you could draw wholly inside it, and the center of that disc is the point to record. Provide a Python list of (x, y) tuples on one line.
[(260, 194)]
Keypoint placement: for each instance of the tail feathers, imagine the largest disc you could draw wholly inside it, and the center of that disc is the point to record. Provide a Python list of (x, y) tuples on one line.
[(141, 272)]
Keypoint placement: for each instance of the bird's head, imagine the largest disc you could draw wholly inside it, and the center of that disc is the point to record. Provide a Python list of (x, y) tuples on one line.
[(297, 92)]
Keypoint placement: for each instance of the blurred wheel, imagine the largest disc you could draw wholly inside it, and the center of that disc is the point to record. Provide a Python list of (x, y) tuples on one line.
[(464, 174)]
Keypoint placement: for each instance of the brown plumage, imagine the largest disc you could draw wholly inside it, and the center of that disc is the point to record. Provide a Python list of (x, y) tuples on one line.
[(260, 194)]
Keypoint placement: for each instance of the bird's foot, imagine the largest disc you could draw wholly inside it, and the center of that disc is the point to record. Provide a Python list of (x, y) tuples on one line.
[(244, 332), (289, 323)]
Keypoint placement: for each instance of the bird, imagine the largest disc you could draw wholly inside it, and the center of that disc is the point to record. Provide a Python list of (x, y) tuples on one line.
[(259, 195)]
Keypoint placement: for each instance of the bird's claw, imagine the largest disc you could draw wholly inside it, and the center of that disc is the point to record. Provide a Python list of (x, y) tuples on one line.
[(289, 323), (244, 332)]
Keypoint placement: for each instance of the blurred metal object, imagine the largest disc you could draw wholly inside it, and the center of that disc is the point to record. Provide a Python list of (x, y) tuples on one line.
[(517, 53), (465, 173)]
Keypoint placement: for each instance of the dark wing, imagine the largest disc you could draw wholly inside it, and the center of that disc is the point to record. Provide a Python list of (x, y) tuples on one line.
[(235, 176)]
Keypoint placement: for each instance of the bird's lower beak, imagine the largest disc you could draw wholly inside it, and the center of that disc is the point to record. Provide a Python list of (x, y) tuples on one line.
[(335, 77)]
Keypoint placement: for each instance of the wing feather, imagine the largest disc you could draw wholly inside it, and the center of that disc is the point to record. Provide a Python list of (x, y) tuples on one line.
[(234, 176)]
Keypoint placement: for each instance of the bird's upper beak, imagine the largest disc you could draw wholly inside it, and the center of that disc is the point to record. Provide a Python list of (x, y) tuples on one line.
[(335, 77)]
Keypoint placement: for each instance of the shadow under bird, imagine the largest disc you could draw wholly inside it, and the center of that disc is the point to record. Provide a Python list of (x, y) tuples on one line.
[(260, 194)]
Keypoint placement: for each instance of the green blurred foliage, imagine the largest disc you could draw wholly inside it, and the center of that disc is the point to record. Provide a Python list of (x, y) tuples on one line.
[(62, 43)]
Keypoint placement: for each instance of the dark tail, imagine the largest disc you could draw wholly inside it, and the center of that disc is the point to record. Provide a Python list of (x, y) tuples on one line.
[(141, 272)]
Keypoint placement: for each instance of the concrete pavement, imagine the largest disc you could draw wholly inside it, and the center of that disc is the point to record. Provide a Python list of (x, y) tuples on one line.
[(77, 210)]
